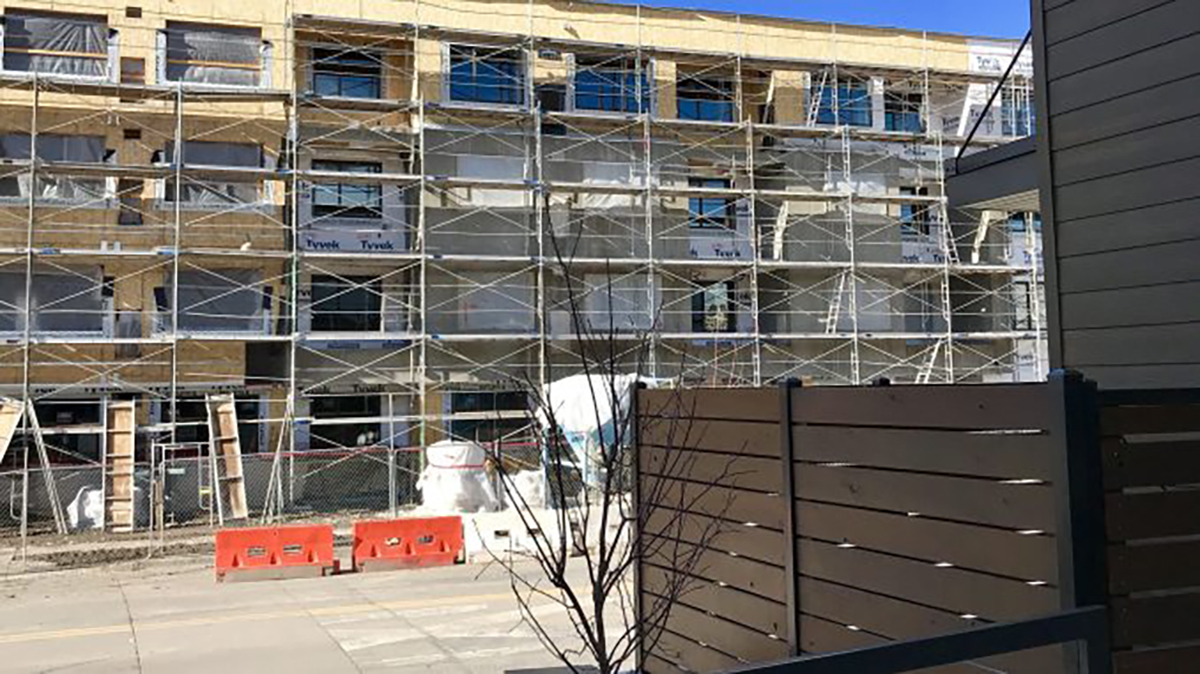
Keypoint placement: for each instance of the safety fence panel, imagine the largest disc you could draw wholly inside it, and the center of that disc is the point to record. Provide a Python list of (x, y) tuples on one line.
[(1150, 442), (174, 503)]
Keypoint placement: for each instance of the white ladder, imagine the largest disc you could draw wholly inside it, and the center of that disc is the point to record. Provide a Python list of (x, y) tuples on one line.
[(835, 306), (926, 371), (814, 105)]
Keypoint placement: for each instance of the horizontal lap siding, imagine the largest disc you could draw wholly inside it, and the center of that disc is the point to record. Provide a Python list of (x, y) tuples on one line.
[(1151, 455), (1124, 133), (767, 616), (995, 455), (738, 437)]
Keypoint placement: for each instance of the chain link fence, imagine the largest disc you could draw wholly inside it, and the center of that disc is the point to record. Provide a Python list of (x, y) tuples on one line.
[(313, 485)]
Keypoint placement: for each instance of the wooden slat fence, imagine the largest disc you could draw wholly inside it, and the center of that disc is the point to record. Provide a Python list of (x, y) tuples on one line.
[(922, 511), (855, 516), (1150, 443), (735, 610)]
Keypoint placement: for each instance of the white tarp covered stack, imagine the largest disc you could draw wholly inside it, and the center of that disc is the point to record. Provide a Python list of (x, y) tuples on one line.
[(586, 408), (455, 479)]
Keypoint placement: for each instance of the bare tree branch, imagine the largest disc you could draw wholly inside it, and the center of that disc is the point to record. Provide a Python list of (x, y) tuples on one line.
[(591, 520)]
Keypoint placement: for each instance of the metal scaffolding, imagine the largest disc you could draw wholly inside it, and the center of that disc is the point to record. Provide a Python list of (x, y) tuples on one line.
[(373, 254)]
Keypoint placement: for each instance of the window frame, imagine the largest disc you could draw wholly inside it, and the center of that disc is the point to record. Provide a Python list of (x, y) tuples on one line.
[(497, 426), (340, 211), (702, 218), (165, 189), (330, 65), (343, 287), (905, 99), (627, 89), (699, 304), (448, 74), (164, 60), (96, 287), (1017, 112), (110, 55), (366, 418), (842, 116), (258, 322), (103, 197), (698, 89), (916, 223)]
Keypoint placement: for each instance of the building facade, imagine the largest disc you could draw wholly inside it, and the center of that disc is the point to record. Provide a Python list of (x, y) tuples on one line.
[(368, 220)]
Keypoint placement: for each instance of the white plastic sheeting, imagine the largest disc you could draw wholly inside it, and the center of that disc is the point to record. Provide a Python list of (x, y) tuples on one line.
[(586, 408), (220, 300), (530, 490), (497, 302), (455, 479), (222, 55), (208, 153), (61, 44), (55, 148), (62, 303), (621, 303), (86, 511)]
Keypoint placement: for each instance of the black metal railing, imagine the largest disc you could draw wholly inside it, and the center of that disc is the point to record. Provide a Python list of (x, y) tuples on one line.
[(1088, 625)]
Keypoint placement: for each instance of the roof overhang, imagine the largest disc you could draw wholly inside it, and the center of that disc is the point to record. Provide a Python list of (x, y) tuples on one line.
[(1004, 178)]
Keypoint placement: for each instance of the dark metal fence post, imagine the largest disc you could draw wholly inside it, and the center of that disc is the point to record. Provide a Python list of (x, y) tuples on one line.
[(790, 561), (1079, 484), (635, 495)]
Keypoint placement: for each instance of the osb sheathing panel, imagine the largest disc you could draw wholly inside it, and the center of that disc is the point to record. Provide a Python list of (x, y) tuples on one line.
[(722, 35), (395, 55), (669, 29), (664, 86), (788, 93), (90, 226)]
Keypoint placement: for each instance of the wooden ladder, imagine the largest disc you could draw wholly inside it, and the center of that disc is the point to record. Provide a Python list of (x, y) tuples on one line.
[(226, 450), (120, 421)]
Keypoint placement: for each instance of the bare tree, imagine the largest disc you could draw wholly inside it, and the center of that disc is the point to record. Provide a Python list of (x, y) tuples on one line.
[(619, 517)]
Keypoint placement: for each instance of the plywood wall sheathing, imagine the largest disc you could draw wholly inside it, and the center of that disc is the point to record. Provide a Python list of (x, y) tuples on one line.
[(118, 467), (227, 447)]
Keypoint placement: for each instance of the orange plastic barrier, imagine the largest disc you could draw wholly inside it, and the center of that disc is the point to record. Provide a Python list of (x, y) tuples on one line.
[(407, 543), (275, 552)]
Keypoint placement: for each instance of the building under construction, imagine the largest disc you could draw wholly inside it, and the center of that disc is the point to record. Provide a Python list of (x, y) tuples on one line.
[(367, 220)]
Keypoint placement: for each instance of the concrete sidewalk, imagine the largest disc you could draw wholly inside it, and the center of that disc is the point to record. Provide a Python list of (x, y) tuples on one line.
[(170, 616)]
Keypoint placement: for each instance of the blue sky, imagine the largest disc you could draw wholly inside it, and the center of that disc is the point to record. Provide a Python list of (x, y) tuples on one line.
[(994, 18)]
